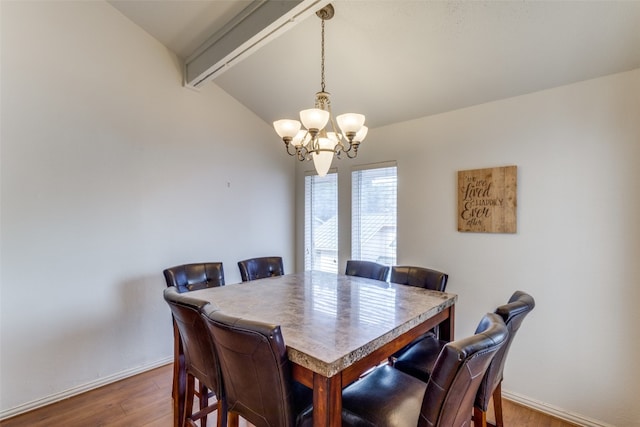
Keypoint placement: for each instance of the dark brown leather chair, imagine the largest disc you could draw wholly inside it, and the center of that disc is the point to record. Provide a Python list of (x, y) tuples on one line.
[(191, 277), (256, 371), (368, 269), (419, 277), (200, 360), (422, 278), (259, 268), (388, 397), (419, 359), (513, 313)]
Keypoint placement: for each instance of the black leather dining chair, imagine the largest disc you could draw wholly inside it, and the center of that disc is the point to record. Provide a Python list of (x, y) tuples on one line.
[(420, 277), (259, 268), (186, 278), (519, 306), (368, 269), (257, 372), (388, 397), (200, 360), (191, 277), (419, 360)]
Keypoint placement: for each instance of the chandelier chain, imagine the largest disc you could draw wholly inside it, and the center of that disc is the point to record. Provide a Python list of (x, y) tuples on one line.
[(322, 60)]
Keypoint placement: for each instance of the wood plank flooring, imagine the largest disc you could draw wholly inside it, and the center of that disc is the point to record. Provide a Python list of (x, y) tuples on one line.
[(145, 401)]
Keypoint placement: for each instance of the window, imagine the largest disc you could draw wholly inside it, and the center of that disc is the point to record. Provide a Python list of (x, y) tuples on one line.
[(374, 214), (321, 223)]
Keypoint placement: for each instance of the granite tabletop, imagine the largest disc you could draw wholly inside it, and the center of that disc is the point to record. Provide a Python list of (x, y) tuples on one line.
[(329, 321)]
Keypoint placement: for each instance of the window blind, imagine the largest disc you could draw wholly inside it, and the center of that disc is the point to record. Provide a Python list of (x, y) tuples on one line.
[(374, 214), (321, 223)]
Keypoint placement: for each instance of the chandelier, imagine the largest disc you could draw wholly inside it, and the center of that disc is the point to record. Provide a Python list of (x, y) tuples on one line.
[(319, 139)]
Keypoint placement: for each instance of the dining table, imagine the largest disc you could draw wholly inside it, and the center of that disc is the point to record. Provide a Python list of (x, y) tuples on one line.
[(336, 327)]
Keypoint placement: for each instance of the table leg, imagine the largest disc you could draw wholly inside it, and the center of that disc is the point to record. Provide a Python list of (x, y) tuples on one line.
[(327, 401), (447, 325)]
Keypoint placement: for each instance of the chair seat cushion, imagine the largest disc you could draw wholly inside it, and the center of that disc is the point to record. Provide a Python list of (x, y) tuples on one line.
[(419, 358), (302, 400), (385, 397)]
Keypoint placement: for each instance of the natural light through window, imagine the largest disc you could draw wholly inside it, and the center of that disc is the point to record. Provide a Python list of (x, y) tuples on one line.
[(374, 214), (321, 223)]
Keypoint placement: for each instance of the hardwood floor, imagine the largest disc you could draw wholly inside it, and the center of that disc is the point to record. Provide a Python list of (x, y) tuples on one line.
[(145, 401)]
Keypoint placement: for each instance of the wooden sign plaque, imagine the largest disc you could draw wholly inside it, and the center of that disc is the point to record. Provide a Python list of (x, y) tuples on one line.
[(487, 200)]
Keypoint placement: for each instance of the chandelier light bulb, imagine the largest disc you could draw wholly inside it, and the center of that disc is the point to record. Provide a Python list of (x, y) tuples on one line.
[(322, 159), (286, 128), (361, 134), (314, 118), (350, 122)]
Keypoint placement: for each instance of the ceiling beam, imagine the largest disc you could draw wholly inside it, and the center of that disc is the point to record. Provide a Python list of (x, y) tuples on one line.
[(256, 25)]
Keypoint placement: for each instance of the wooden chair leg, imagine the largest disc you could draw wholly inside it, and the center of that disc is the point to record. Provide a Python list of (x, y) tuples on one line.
[(179, 386), (233, 419), (188, 400), (222, 413), (204, 402), (497, 404), (479, 418)]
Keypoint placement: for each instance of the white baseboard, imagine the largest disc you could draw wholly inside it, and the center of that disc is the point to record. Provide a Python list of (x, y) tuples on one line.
[(553, 411), (35, 404)]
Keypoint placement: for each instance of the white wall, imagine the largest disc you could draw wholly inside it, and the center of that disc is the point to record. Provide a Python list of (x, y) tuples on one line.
[(111, 172), (577, 247)]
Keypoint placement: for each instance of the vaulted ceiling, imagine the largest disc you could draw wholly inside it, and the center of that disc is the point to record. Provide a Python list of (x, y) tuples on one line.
[(395, 60)]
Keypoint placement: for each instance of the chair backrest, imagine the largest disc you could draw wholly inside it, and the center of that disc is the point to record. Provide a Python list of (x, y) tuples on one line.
[(456, 376), (419, 277), (513, 313), (368, 269), (199, 352), (259, 268), (191, 277), (255, 369)]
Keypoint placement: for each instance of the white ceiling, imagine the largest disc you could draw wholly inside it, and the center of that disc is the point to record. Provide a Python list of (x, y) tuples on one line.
[(396, 60)]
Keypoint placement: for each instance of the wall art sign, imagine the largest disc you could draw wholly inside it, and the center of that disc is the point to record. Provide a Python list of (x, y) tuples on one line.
[(487, 200)]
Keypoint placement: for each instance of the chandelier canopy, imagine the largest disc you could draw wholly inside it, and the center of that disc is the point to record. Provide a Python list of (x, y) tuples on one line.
[(320, 139)]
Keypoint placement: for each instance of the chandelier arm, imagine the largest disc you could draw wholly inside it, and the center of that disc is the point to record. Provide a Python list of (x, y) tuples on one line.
[(308, 156), (314, 145), (353, 146), (302, 153), (349, 149), (289, 149), (338, 150), (333, 123)]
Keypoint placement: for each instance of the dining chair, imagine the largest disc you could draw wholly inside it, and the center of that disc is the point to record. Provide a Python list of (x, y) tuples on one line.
[(186, 278), (419, 359), (420, 277), (257, 372), (259, 268), (388, 397), (519, 306), (368, 269), (191, 277), (200, 360)]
